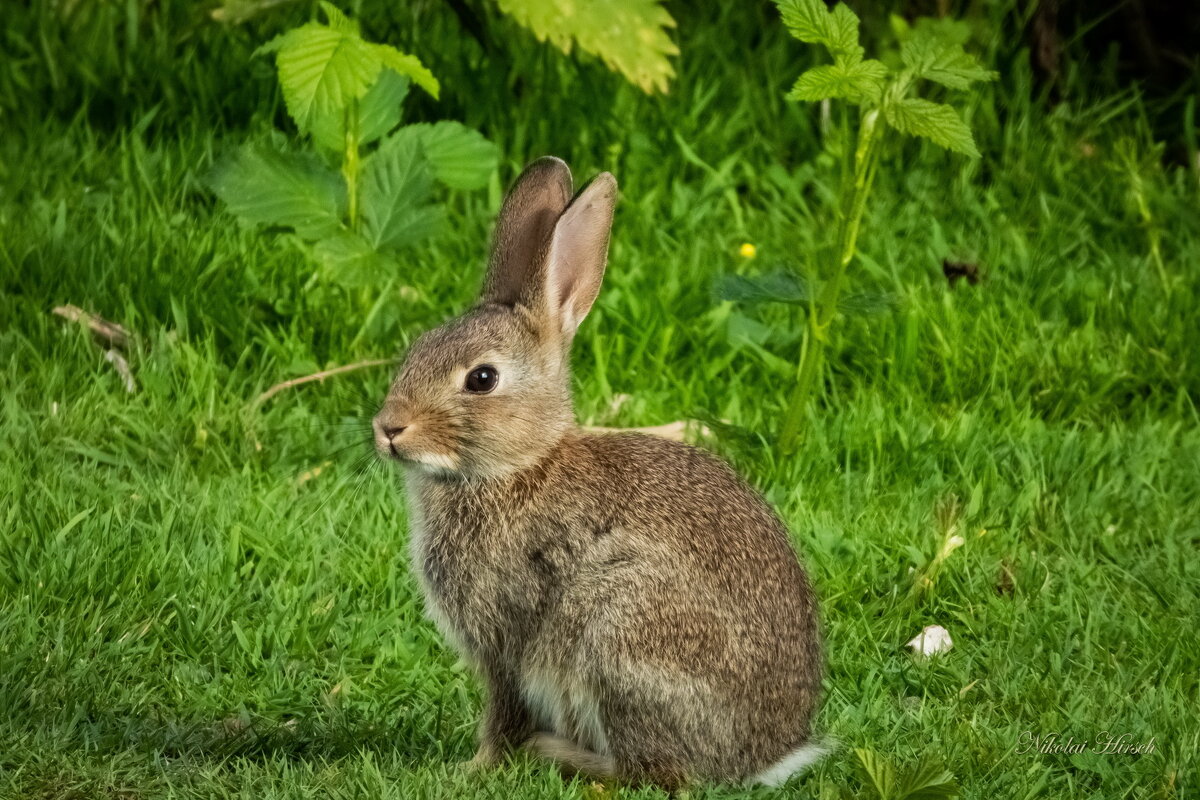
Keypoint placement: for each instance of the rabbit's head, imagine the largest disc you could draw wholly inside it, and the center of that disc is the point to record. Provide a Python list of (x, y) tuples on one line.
[(489, 393)]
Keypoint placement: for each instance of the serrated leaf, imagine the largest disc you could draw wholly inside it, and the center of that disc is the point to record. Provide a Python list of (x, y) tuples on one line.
[(629, 36), (784, 286), (811, 21), (942, 62), (927, 781), (843, 30), (378, 112), (460, 157), (407, 65), (396, 183), (937, 122), (321, 70), (349, 260), (266, 187), (848, 78), (339, 21), (879, 772), (773, 287)]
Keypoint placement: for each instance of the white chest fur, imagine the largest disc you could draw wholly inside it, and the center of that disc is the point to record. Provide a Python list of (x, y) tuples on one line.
[(418, 534)]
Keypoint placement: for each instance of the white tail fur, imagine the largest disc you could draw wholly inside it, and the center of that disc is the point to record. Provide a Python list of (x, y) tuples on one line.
[(794, 762)]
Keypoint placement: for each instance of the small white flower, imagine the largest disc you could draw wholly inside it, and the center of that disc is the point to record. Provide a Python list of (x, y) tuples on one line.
[(932, 639)]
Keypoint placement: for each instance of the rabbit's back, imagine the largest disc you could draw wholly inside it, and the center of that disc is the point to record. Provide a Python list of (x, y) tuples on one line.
[(690, 615)]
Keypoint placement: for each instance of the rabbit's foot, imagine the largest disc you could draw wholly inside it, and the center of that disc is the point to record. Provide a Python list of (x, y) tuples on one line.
[(570, 757), (486, 757)]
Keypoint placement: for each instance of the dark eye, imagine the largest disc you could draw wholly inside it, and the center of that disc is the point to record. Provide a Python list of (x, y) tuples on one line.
[(482, 380)]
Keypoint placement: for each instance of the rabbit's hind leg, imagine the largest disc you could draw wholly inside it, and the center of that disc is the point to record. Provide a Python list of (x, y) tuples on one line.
[(572, 759)]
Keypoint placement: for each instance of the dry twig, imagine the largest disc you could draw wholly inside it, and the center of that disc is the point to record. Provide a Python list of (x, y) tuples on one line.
[(110, 333), (107, 334), (675, 431), (122, 367), (319, 376)]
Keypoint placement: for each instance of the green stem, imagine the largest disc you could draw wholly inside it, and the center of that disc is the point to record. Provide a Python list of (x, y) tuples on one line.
[(350, 162), (822, 311)]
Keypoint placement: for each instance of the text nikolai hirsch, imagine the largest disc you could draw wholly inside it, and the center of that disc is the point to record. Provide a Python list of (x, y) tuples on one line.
[(1104, 744)]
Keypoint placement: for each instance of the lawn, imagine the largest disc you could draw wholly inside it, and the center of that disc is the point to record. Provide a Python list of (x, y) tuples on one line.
[(202, 595)]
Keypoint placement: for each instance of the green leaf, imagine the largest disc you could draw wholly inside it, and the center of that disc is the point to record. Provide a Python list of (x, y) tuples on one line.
[(378, 112), (321, 69), (266, 187), (843, 30), (349, 260), (927, 781), (849, 78), (460, 157), (407, 65), (879, 772), (811, 21), (630, 36), (942, 62), (339, 21), (773, 287), (784, 286), (396, 184), (936, 122)]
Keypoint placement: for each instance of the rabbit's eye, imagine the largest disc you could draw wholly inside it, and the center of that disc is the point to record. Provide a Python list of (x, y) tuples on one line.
[(482, 380)]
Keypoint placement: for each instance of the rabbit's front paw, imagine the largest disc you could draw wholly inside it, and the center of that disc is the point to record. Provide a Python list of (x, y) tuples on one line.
[(485, 758)]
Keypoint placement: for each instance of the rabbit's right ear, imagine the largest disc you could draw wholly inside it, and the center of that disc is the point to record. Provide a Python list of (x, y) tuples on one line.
[(523, 232)]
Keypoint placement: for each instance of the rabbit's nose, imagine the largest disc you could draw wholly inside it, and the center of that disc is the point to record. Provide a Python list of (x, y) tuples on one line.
[(391, 432)]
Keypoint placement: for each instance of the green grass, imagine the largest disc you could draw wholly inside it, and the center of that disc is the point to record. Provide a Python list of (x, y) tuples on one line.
[(182, 616)]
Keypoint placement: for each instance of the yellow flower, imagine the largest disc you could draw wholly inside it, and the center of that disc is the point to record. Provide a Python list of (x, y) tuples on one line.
[(748, 250)]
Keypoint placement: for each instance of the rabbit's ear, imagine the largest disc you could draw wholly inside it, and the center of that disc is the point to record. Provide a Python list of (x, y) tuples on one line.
[(579, 252), (523, 232)]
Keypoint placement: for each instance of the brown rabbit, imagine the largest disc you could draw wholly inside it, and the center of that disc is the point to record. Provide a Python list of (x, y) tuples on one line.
[(634, 609)]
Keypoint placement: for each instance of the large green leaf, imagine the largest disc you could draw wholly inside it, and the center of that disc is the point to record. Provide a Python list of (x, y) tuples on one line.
[(396, 183), (879, 772), (811, 21), (349, 260), (266, 187), (378, 112), (630, 36), (407, 65), (928, 781), (323, 68), (849, 78), (942, 62), (460, 157), (934, 121)]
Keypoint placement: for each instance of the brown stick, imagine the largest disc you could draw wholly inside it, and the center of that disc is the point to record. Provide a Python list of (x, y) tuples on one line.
[(119, 363), (319, 376), (112, 333), (677, 431)]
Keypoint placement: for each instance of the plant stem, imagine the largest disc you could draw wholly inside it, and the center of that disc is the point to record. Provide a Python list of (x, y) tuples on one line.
[(824, 307), (350, 163)]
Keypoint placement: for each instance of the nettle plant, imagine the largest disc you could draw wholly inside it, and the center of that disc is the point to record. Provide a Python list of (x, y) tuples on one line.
[(886, 102), (367, 192)]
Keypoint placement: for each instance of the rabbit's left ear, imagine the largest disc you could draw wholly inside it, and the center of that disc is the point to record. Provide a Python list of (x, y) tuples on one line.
[(579, 251)]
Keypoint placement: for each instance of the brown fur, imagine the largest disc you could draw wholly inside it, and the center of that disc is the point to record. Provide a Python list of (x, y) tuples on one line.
[(627, 599)]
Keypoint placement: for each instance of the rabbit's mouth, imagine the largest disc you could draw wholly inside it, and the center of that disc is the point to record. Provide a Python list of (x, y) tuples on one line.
[(437, 465), (411, 457)]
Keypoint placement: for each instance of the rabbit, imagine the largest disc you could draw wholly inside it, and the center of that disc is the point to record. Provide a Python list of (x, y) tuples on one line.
[(634, 610)]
